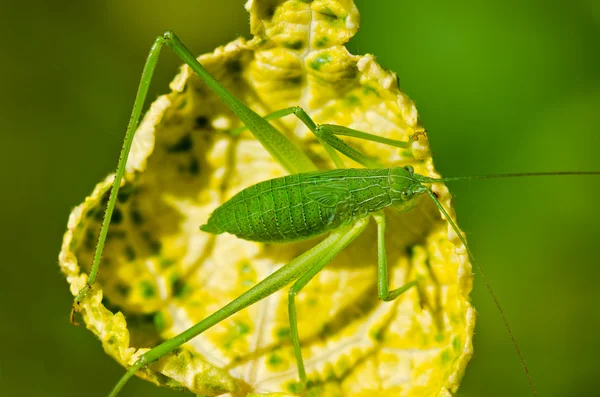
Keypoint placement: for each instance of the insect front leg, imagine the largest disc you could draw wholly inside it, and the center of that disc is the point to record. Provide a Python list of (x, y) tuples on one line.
[(382, 270), (307, 121), (327, 136)]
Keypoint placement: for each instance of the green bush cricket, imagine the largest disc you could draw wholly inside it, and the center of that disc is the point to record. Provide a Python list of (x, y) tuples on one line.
[(364, 130), (329, 192)]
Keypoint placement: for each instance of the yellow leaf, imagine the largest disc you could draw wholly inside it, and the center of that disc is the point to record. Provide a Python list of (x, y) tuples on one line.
[(160, 274)]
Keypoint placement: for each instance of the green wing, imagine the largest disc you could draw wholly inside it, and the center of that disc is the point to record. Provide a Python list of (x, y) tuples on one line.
[(328, 196)]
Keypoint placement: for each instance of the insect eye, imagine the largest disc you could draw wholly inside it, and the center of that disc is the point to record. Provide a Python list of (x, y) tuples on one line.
[(409, 168)]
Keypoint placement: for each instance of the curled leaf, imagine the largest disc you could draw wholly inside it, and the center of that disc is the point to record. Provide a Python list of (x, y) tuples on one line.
[(160, 274)]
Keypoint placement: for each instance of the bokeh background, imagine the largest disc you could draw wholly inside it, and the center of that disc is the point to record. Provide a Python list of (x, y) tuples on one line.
[(501, 86)]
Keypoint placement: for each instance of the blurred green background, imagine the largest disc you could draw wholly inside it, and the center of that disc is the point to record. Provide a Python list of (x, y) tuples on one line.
[(502, 86)]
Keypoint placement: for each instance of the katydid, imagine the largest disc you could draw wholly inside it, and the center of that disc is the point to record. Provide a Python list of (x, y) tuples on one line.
[(307, 203)]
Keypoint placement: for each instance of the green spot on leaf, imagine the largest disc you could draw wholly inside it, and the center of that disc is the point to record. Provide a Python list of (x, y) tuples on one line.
[(445, 357), (117, 216), (322, 42), (352, 100), (147, 289), (456, 344), (274, 360), (321, 60), (243, 328), (294, 81), (183, 145), (130, 253), (328, 12), (377, 334), (294, 45), (122, 289), (159, 321), (294, 387), (180, 288), (246, 268), (136, 217), (367, 90), (283, 333), (165, 263), (234, 67)]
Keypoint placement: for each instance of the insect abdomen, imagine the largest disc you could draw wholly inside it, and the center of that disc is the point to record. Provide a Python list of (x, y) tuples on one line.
[(301, 206), (275, 210)]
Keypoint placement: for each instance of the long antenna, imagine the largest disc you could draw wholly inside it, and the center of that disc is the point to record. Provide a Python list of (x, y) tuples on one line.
[(426, 179), (485, 281)]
